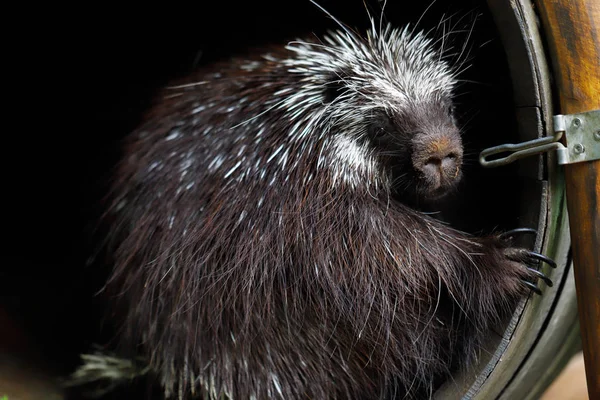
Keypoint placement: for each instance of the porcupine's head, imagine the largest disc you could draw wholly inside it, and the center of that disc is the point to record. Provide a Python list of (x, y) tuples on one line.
[(389, 96)]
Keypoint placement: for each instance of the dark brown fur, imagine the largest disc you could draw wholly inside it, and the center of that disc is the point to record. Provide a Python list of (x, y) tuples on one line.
[(320, 290)]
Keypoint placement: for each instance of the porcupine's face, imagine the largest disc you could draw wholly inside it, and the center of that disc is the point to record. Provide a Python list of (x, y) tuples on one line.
[(392, 93), (420, 145)]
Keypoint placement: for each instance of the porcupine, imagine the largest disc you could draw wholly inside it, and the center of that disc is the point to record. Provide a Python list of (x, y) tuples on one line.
[(265, 235)]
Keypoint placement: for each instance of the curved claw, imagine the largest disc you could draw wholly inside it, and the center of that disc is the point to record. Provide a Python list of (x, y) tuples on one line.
[(516, 231), (532, 286), (541, 257), (542, 277)]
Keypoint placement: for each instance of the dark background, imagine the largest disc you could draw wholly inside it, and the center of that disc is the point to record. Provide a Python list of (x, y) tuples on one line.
[(89, 74)]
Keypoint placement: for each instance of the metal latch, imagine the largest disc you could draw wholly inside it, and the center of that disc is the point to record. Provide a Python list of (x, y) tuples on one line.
[(581, 132)]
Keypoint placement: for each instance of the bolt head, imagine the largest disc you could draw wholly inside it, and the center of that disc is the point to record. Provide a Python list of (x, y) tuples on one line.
[(578, 148), (597, 136), (576, 122)]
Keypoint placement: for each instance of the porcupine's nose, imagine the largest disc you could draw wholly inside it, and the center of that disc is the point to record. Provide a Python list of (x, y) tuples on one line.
[(442, 160), (438, 159)]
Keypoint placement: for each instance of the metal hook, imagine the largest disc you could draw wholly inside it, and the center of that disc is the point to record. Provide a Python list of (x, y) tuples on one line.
[(521, 150), (582, 134)]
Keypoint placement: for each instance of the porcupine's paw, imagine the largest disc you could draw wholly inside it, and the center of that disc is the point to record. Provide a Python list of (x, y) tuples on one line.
[(528, 261)]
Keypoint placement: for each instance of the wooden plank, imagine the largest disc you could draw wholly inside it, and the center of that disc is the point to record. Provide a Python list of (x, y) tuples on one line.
[(572, 32)]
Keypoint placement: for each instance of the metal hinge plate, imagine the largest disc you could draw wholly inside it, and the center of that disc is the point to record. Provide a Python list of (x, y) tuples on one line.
[(582, 137)]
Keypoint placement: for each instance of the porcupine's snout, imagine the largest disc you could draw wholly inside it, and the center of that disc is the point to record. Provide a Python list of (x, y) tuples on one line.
[(437, 158)]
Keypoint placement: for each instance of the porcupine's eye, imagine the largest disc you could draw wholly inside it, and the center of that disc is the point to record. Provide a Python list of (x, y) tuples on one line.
[(379, 130), (381, 127)]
